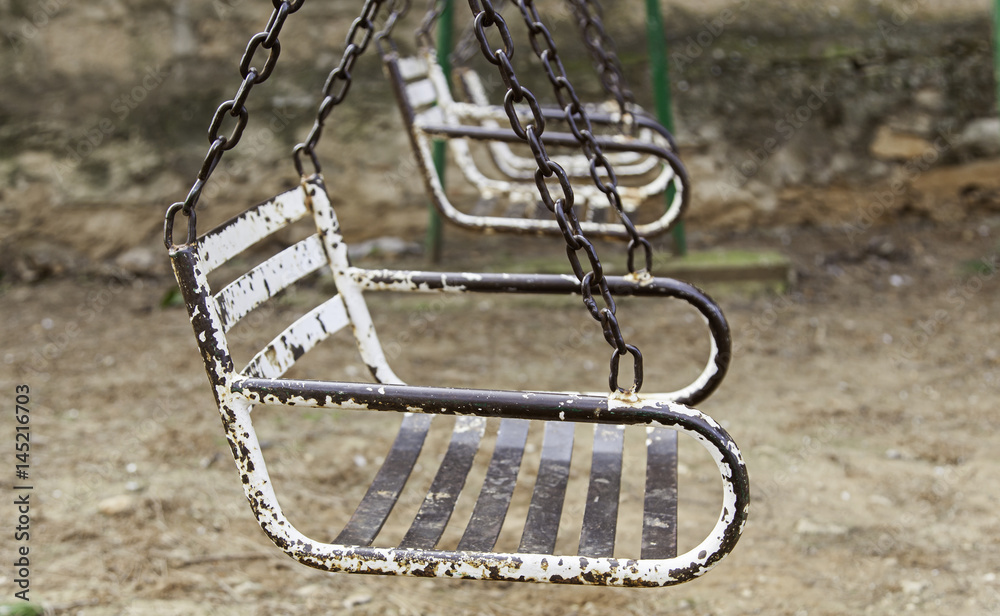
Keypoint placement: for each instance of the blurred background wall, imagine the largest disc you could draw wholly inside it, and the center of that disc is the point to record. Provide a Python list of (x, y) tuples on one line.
[(844, 113)]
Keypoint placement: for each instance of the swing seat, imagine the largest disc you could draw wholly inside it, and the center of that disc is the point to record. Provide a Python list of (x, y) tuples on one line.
[(430, 113), (522, 168), (262, 382)]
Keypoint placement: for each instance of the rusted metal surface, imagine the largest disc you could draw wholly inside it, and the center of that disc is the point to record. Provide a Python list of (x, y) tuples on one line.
[(436, 510), (501, 476), (626, 164), (542, 524), (720, 352), (600, 516), (261, 381), (381, 497), (279, 272), (430, 112), (659, 522), (237, 392)]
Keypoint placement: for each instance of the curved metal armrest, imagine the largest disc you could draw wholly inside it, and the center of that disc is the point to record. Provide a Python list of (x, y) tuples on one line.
[(701, 388)]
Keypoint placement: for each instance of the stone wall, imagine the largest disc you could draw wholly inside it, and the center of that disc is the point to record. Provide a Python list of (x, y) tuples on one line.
[(845, 113)]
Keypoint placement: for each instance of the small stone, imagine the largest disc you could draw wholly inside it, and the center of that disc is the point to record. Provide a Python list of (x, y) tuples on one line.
[(118, 505), (891, 145), (982, 136), (358, 599), (310, 590), (141, 261), (912, 587), (990, 577), (808, 527), (930, 99), (384, 247), (878, 499)]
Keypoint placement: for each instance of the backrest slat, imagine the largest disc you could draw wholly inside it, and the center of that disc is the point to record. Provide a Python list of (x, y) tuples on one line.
[(421, 94), (298, 339), (263, 282), (412, 67), (230, 239)]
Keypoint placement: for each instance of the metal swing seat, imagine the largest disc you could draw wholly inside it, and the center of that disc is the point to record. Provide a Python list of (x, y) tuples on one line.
[(507, 195), (262, 382), (627, 164)]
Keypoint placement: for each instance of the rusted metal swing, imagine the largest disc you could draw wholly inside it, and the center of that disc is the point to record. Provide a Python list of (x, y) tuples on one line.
[(262, 382), (643, 156), (619, 114)]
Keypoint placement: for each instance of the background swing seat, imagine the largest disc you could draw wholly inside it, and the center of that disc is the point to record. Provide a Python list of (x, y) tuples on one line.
[(430, 112), (627, 164), (261, 381)]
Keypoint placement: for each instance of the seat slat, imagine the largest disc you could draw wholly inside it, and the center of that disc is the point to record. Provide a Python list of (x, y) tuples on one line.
[(545, 510), (298, 339), (377, 504), (600, 517), (436, 510), (501, 477), (659, 523), (233, 237), (255, 287)]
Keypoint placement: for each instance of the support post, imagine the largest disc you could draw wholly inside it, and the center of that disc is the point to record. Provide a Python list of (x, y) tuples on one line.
[(657, 45), (434, 238), (996, 48)]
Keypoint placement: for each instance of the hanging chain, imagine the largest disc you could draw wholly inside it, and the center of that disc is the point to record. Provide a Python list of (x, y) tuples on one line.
[(579, 124), (338, 83), (594, 282), (425, 36), (468, 44), (590, 19), (235, 108)]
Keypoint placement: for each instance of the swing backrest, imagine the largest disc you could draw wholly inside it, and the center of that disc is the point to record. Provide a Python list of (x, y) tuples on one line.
[(214, 314), (429, 112)]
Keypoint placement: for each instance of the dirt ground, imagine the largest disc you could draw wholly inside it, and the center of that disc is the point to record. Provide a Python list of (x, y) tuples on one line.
[(863, 399)]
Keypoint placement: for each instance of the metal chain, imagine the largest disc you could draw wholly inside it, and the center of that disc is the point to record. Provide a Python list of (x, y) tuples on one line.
[(468, 45), (341, 78), (579, 124), (425, 36), (593, 282), (235, 108), (590, 19)]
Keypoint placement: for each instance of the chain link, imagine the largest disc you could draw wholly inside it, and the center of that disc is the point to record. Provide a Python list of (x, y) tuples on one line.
[(590, 19), (338, 82), (487, 18), (425, 36), (233, 108), (601, 170)]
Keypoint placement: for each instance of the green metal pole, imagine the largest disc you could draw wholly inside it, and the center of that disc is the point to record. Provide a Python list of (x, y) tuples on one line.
[(996, 47), (657, 45), (434, 230)]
